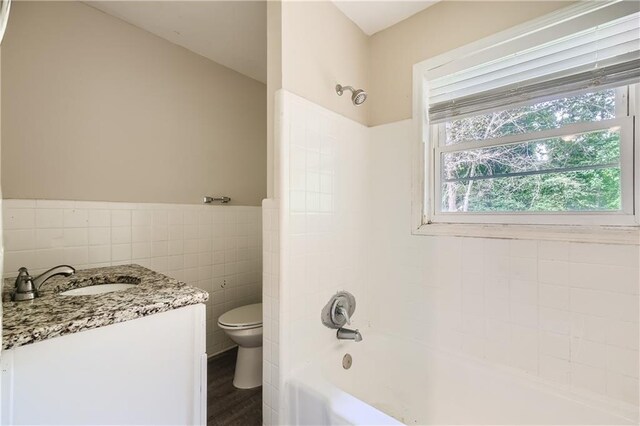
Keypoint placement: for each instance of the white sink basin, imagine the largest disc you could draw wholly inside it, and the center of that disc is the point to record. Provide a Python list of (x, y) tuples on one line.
[(97, 289)]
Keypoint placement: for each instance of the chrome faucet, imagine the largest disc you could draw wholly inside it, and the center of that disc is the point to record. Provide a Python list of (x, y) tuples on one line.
[(28, 288), (338, 312), (347, 334)]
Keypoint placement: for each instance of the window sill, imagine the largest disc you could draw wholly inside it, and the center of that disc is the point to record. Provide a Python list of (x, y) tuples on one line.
[(628, 235)]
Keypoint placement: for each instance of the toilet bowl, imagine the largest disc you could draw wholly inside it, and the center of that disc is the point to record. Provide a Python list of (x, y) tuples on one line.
[(243, 325)]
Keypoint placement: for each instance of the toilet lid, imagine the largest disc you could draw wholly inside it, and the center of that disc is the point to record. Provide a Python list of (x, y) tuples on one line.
[(243, 316)]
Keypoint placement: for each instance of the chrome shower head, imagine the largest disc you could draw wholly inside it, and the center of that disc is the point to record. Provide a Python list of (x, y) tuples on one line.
[(358, 96)]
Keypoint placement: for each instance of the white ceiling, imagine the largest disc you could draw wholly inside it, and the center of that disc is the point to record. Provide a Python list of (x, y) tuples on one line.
[(373, 16), (231, 33)]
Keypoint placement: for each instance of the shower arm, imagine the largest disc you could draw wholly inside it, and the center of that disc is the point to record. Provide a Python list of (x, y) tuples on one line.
[(5, 7), (340, 89)]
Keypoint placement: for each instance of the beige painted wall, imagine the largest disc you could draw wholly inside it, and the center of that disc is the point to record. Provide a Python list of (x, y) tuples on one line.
[(274, 83), (96, 109), (437, 29), (320, 48)]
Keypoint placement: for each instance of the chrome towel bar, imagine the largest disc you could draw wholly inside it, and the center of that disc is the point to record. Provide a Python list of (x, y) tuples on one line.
[(222, 200)]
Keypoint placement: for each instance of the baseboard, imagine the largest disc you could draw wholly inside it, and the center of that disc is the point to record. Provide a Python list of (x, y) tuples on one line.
[(213, 355)]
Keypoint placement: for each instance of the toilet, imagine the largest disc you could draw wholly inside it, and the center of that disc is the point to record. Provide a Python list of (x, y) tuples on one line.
[(243, 325)]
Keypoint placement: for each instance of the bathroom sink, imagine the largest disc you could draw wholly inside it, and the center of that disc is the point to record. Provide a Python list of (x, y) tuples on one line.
[(97, 289)]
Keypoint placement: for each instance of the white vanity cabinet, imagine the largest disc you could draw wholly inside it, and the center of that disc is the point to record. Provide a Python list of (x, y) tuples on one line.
[(146, 371)]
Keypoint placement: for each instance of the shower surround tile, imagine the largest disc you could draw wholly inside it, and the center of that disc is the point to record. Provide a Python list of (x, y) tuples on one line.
[(340, 219), (322, 198), (564, 312), (177, 240)]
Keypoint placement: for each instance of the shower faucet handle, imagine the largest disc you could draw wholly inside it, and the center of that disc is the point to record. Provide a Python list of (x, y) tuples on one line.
[(339, 310)]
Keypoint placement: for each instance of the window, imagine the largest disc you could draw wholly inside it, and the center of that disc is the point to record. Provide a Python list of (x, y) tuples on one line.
[(544, 135), (561, 155)]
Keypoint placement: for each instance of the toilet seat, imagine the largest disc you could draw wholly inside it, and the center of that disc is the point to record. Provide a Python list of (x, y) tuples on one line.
[(244, 317)]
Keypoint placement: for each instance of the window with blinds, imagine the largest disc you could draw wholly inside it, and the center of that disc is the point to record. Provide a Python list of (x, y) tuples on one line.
[(541, 135)]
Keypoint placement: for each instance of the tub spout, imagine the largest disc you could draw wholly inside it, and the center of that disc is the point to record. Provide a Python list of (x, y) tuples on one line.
[(346, 334)]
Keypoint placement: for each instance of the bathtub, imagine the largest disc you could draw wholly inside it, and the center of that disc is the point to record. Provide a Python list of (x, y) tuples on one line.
[(394, 381)]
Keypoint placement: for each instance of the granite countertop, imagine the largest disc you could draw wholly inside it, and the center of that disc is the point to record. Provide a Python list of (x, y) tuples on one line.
[(53, 315)]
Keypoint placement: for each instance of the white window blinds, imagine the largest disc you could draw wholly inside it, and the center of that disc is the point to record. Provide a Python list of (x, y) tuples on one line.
[(604, 55)]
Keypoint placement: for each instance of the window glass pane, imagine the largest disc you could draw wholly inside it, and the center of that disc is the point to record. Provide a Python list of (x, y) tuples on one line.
[(572, 173), (546, 115), (592, 148), (595, 190)]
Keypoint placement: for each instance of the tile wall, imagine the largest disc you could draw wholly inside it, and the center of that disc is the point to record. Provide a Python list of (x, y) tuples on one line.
[(564, 312), (271, 301), (216, 248), (322, 170)]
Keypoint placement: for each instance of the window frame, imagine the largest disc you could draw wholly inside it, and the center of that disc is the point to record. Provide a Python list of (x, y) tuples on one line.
[(625, 216), (608, 227)]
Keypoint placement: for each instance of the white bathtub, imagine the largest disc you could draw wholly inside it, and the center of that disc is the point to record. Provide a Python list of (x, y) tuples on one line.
[(394, 381)]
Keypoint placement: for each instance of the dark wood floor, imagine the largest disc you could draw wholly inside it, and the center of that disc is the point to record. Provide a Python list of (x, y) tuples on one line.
[(226, 405)]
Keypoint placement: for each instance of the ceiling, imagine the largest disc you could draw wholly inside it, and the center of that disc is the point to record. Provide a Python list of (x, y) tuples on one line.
[(373, 16), (231, 33)]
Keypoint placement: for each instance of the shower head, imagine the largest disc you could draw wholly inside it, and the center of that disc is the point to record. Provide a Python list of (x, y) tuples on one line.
[(358, 96)]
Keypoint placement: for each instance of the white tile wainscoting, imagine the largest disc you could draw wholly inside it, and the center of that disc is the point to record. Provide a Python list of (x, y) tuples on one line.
[(271, 384), (216, 248)]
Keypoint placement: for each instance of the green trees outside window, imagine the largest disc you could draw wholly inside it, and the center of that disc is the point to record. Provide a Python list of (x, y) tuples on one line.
[(570, 172)]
